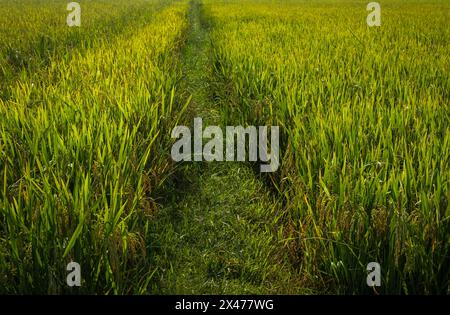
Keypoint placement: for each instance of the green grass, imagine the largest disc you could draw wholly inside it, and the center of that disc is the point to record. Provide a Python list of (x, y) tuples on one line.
[(83, 147), (215, 232), (86, 174), (45, 36), (365, 113)]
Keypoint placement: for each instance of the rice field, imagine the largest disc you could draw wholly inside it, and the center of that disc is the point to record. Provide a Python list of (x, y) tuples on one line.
[(86, 115), (365, 113), (83, 147)]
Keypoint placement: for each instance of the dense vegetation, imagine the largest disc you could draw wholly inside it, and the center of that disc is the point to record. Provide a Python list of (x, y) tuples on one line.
[(365, 114), (83, 146), (86, 174)]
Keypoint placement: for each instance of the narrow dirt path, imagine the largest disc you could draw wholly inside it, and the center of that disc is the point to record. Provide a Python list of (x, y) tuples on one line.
[(216, 233)]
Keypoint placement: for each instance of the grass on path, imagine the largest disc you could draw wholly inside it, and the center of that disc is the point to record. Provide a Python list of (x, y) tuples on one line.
[(216, 234)]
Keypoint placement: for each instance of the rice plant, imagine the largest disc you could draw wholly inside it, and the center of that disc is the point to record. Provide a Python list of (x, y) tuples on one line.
[(86, 115), (365, 114), (83, 147)]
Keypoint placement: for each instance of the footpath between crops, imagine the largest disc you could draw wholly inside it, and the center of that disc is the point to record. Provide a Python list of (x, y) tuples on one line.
[(215, 234)]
